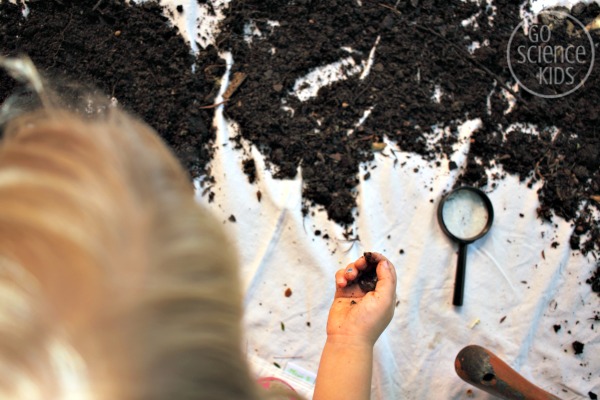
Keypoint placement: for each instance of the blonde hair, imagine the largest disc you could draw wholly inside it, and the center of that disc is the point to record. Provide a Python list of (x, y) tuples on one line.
[(114, 283)]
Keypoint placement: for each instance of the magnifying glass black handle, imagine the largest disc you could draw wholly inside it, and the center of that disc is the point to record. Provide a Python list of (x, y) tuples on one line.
[(459, 281)]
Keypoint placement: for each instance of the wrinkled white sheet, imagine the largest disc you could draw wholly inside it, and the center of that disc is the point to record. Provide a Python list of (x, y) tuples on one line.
[(517, 287)]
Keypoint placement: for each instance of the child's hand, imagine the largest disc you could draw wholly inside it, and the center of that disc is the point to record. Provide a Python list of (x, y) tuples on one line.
[(356, 320), (359, 317)]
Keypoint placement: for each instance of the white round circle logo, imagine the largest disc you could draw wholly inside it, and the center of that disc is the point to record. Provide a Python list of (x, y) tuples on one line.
[(554, 58)]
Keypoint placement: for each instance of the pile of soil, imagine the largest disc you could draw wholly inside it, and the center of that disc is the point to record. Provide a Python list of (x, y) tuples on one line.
[(422, 48), (132, 52)]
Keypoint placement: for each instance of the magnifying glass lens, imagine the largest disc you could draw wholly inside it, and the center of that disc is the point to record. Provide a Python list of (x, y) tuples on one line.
[(465, 214)]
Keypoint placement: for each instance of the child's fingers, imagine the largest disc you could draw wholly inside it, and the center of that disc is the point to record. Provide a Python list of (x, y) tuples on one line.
[(340, 280), (343, 277), (346, 275), (386, 279), (360, 263), (351, 272)]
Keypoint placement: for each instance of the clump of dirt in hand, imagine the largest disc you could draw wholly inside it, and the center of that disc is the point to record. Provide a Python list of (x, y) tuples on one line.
[(367, 278)]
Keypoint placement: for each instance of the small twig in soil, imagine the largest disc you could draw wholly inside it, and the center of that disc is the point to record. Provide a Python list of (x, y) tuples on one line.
[(536, 169), (368, 137), (391, 8), (214, 105), (367, 85), (224, 38), (61, 39), (211, 66), (97, 5)]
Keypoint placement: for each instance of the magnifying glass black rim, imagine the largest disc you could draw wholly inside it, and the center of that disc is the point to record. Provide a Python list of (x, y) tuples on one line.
[(487, 203)]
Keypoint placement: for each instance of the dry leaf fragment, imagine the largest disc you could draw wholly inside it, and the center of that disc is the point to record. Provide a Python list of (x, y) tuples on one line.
[(237, 79), (378, 146), (336, 156)]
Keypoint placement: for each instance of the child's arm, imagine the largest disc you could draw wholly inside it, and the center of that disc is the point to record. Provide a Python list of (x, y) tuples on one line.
[(356, 319)]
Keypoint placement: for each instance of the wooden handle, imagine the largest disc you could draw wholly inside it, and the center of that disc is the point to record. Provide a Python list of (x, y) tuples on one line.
[(483, 369)]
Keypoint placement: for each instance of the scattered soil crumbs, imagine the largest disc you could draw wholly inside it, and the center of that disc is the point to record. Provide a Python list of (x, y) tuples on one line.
[(578, 347), (250, 169), (130, 52)]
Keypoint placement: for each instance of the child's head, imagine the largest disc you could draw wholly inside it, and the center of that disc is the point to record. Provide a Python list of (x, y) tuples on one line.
[(114, 283)]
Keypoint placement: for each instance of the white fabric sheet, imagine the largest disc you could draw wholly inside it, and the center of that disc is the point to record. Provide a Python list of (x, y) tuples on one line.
[(518, 286)]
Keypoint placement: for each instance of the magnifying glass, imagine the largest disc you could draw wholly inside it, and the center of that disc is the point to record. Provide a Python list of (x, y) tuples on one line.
[(465, 215)]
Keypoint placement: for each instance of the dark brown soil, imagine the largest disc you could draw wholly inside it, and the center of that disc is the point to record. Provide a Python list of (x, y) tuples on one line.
[(417, 37), (129, 52), (367, 278), (147, 66), (594, 280)]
